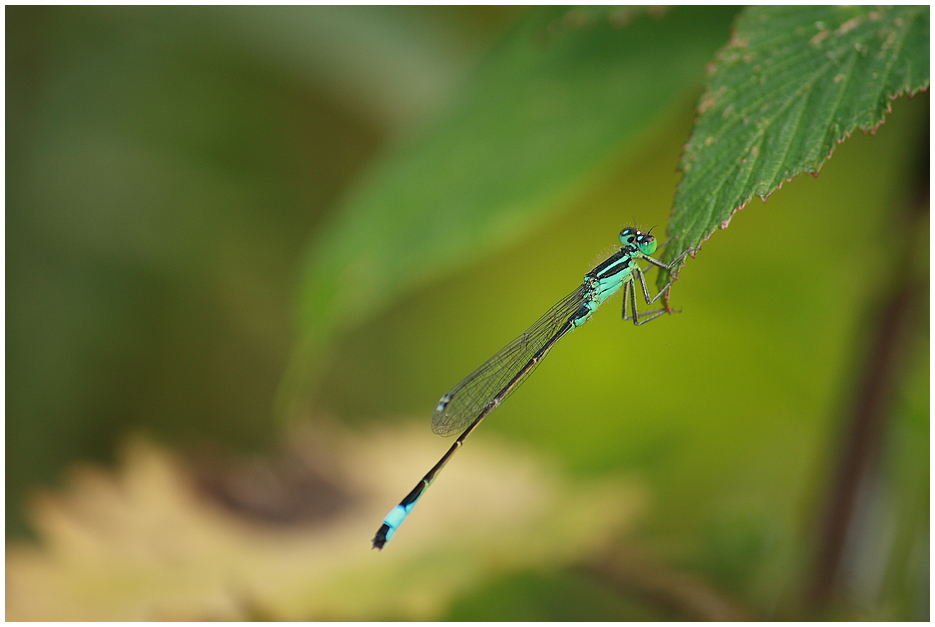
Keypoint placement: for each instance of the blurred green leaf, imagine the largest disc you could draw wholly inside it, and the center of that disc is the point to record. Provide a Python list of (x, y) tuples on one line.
[(792, 82), (548, 108)]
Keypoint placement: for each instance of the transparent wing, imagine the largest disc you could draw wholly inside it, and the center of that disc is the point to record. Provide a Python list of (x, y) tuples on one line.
[(465, 401)]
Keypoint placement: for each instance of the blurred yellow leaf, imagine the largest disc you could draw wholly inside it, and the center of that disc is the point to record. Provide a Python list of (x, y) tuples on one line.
[(144, 543)]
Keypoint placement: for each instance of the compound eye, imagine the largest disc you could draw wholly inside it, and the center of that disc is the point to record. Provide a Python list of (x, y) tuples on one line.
[(627, 235)]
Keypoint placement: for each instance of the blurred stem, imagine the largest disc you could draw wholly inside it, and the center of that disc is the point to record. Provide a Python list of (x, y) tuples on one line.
[(678, 593), (865, 427)]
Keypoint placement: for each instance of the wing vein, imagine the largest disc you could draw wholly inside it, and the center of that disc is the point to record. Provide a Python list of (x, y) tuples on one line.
[(494, 379)]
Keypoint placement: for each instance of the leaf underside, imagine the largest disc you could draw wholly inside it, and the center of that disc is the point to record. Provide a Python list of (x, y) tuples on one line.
[(791, 83)]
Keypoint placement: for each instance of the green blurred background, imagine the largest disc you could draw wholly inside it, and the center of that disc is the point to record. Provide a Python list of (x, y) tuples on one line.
[(174, 174)]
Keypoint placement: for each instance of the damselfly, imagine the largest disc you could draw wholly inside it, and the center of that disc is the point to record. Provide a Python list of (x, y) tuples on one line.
[(469, 402)]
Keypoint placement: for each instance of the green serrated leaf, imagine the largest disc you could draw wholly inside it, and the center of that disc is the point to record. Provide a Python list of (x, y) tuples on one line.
[(557, 99), (792, 82)]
